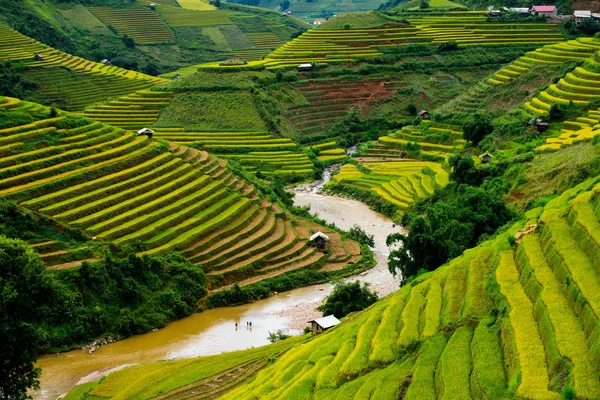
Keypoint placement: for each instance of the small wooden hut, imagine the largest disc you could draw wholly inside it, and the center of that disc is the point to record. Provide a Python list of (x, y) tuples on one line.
[(320, 325), (319, 240), (146, 131), (423, 114)]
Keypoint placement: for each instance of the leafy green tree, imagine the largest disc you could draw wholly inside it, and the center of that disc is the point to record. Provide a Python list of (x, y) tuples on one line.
[(128, 42), (411, 109), (358, 234), (347, 298), (477, 129), (453, 222), (556, 113), (24, 293)]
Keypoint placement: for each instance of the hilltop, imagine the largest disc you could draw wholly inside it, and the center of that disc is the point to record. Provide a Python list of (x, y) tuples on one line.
[(134, 36)]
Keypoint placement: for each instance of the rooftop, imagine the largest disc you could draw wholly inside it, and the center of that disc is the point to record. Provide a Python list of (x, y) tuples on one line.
[(326, 322), (544, 8), (582, 13), (319, 234)]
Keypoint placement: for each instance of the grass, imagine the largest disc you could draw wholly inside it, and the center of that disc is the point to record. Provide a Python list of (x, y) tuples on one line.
[(141, 24), (477, 300), (534, 372), (411, 316), (358, 359), (201, 5), (488, 379), (454, 295), (358, 21), (454, 368), (176, 16), (570, 336), (384, 346), (222, 110), (476, 354), (152, 379), (433, 308), (423, 384)]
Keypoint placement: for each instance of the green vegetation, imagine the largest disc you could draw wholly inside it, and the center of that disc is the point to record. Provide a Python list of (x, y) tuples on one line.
[(448, 223), (498, 267), (526, 283), (347, 298), (224, 111), (133, 36)]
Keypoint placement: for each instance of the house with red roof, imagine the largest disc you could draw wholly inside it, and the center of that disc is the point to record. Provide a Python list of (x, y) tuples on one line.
[(550, 11)]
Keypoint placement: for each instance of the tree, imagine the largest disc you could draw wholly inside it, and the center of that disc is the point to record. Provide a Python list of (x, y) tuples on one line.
[(411, 109), (358, 234), (477, 129), (128, 42), (424, 4), (285, 4), (25, 292), (556, 113), (347, 298), (455, 220)]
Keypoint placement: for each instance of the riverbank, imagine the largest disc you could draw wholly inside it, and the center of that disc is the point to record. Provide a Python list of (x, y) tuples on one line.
[(213, 331)]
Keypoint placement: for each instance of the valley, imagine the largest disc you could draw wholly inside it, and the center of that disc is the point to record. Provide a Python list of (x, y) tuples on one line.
[(426, 173)]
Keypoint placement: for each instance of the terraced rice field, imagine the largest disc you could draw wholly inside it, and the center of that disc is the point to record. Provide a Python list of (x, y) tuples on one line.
[(400, 183), (264, 40), (254, 150), (558, 53), (580, 86), (201, 5), (342, 45), (176, 16), (439, 337), (140, 24), (471, 101), (329, 100), (132, 112), (72, 81), (127, 189), (582, 129), (328, 151), (546, 282), (428, 136)]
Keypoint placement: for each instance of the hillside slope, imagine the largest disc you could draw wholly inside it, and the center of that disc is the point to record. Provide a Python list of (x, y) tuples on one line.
[(158, 40), (152, 197), (506, 319)]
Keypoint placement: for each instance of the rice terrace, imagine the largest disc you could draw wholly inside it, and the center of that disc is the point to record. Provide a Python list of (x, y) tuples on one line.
[(299, 199)]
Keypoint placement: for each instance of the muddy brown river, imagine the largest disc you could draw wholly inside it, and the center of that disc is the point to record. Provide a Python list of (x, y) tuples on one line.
[(213, 331)]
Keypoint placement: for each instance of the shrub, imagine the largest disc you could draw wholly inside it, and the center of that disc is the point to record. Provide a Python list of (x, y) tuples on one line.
[(347, 298), (128, 42), (358, 234), (476, 130), (278, 336)]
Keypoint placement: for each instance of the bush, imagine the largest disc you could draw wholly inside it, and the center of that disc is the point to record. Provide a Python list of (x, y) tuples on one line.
[(358, 234), (411, 108), (447, 46), (347, 298), (128, 42), (476, 130), (278, 336)]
